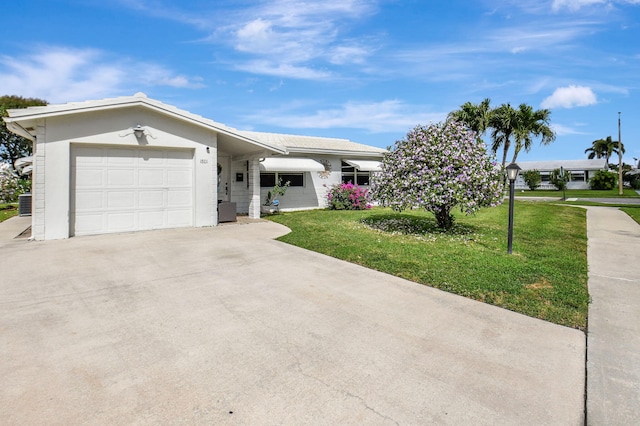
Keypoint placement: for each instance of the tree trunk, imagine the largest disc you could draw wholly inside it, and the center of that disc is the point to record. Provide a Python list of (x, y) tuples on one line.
[(504, 153), (444, 218)]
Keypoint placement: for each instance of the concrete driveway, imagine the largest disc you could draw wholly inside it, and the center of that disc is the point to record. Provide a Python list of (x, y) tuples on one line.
[(227, 326)]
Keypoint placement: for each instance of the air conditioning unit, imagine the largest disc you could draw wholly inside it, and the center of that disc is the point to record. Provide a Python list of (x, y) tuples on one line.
[(24, 204)]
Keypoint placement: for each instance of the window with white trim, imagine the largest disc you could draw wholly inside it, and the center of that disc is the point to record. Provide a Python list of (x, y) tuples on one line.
[(355, 176)]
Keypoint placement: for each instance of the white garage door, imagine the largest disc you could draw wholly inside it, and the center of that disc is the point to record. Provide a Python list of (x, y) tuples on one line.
[(130, 189)]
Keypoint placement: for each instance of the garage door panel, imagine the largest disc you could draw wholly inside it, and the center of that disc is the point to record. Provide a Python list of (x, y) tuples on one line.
[(153, 177), (179, 178), (120, 177), (123, 189), (179, 218), (151, 158), (89, 224), (89, 200), (118, 157), (89, 178), (120, 199), (151, 199), (88, 156), (179, 198), (121, 221), (180, 159), (152, 220)]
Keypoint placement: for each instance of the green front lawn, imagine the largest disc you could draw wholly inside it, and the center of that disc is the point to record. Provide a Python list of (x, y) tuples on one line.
[(633, 211), (7, 211), (579, 193), (546, 277)]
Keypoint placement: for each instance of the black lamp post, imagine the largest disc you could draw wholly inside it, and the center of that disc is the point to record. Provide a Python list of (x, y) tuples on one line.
[(512, 174)]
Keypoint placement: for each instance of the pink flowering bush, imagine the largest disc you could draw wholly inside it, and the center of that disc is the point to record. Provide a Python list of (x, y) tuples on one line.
[(439, 167), (347, 196)]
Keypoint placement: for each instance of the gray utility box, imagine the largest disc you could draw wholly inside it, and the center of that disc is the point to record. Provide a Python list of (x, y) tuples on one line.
[(24, 204), (226, 211)]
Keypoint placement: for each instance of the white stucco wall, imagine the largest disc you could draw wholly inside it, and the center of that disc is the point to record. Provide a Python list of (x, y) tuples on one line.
[(240, 189), (56, 136), (316, 187)]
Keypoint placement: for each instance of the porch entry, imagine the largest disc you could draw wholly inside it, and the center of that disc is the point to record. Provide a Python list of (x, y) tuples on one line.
[(226, 209)]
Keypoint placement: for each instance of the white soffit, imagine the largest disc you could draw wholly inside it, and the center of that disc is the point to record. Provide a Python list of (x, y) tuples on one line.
[(278, 164), (364, 165)]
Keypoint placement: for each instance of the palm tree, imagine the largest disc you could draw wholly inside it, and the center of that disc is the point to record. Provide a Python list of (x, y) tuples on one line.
[(476, 117), (603, 148), (531, 123), (504, 122), (521, 125)]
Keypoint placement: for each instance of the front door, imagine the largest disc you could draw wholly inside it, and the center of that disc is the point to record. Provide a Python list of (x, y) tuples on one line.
[(224, 174)]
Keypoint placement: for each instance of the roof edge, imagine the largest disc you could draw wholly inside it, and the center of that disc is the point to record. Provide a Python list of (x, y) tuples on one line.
[(139, 99)]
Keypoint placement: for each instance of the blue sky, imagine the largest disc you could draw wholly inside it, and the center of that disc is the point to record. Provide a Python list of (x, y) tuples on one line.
[(367, 70)]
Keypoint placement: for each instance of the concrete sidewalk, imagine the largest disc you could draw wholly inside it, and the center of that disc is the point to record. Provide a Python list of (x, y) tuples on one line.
[(228, 326), (613, 342), (10, 229)]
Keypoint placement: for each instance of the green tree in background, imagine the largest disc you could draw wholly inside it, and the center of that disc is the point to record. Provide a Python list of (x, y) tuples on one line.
[(13, 146), (476, 117), (508, 125), (603, 148), (530, 123), (532, 178), (519, 125)]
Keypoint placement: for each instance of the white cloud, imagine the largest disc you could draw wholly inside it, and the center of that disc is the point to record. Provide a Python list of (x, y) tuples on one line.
[(282, 70), (569, 97), (575, 5), (561, 130), (60, 74), (283, 35), (376, 117)]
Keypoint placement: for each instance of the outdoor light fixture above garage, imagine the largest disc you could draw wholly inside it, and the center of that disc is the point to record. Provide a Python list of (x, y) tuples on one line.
[(139, 131)]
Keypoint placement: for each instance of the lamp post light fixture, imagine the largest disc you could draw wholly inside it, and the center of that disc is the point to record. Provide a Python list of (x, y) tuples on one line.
[(512, 174), (620, 190)]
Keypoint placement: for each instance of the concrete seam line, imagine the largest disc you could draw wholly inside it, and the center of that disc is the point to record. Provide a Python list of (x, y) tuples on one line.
[(615, 278)]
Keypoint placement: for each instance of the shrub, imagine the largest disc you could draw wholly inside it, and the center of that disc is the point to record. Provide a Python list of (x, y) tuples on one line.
[(347, 196), (603, 180), (559, 179), (277, 191), (532, 178)]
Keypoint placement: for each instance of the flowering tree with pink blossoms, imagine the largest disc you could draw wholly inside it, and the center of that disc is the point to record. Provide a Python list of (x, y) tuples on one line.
[(439, 167)]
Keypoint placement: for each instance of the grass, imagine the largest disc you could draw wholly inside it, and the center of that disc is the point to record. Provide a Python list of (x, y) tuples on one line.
[(633, 211), (7, 211), (546, 277), (580, 193)]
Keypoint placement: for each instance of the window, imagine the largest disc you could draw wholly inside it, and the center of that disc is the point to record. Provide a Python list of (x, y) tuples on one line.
[(353, 175), (577, 176), (269, 179)]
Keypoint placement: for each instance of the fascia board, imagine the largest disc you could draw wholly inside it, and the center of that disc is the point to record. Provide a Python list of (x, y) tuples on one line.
[(336, 152)]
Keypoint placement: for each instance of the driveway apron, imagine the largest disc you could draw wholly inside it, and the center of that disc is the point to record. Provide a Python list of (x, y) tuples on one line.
[(226, 325)]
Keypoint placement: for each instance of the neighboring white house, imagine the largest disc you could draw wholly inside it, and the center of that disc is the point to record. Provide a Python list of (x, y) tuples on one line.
[(134, 163), (581, 172)]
